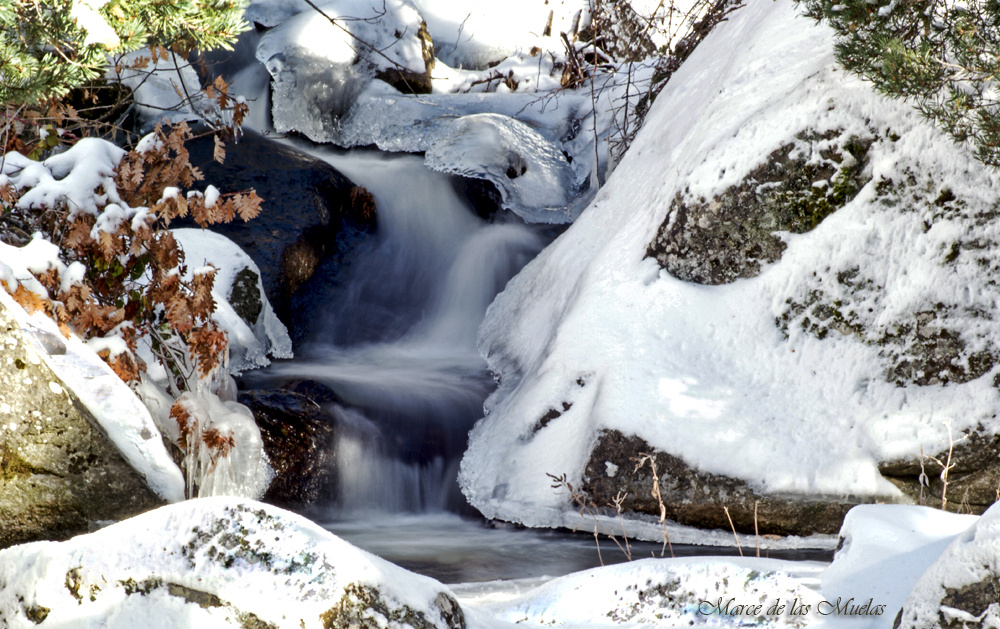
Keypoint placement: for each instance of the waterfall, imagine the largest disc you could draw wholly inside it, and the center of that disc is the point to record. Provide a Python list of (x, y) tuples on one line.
[(395, 336)]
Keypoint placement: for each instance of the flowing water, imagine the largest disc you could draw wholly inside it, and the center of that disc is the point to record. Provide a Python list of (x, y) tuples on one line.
[(394, 335), (391, 329)]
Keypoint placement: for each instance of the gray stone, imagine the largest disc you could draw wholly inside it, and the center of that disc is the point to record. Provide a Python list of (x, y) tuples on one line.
[(726, 238), (697, 498), (244, 296), (59, 474), (973, 477)]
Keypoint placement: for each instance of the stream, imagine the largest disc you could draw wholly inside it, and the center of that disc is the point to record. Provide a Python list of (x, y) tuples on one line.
[(391, 328), (394, 336)]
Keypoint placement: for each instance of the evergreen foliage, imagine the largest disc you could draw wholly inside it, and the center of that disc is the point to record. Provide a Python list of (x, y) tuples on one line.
[(48, 47), (943, 55)]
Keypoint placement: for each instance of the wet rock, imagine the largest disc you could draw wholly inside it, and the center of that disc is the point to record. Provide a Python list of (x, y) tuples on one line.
[(481, 194), (244, 296), (696, 498), (59, 474), (298, 438), (726, 238), (973, 476), (309, 207)]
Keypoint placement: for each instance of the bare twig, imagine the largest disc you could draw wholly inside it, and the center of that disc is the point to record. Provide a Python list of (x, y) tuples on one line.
[(735, 536)]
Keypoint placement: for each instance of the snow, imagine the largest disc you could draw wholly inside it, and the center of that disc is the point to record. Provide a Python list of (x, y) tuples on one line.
[(161, 87), (85, 14), (499, 48), (250, 558), (119, 412), (884, 550), (703, 372), (972, 558), (201, 563), (249, 345), (83, 176)]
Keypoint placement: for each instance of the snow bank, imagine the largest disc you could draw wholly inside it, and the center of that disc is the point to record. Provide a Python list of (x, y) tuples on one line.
[(883, 551), (594, 327), (959, 589), (213, 563), (665, 592)]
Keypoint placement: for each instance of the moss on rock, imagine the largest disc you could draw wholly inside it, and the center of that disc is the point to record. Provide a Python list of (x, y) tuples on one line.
[(726, 238)]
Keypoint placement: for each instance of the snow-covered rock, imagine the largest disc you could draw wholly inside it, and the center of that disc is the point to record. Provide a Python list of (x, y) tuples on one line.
[(864, 337), (59, 471), (667, 593), (241, 307), (217, 562), (961, 588), (883, 550)]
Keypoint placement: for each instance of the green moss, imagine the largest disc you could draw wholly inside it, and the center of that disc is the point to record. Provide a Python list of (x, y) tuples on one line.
[(13, 465), (36, 613)]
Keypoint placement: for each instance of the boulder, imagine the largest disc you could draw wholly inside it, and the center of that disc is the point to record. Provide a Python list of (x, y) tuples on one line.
[(697, 498), (784, 293), (59, 473), (725, 238), (970, 486), (215, 562), (309, 207), (299, 441), (960, 590)]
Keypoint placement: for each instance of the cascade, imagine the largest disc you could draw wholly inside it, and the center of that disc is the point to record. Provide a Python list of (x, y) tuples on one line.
[(395, 336)]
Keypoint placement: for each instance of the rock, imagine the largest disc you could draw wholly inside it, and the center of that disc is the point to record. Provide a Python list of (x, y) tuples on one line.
[(962, 588), (973, 477), (216, 562), (697, 498), (726, 238), (299, 441), (241, 307), (308, 208), (59, 474), (244, 296), (481, 194)]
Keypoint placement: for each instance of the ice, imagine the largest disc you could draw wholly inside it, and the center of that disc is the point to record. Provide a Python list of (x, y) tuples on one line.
[(224, 453), (318, 69), (534, 178)]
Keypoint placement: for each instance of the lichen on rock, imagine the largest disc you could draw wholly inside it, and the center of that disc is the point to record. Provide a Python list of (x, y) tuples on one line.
[(730, 236)]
